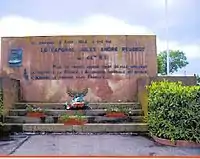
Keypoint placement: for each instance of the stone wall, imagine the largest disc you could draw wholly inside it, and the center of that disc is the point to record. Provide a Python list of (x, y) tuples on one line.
[(11, 94), (186, 80)]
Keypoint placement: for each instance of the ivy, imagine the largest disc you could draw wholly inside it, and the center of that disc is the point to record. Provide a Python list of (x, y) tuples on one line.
[(1, 102)]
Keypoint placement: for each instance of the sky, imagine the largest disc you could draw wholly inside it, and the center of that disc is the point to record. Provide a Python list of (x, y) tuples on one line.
[(64, 17)]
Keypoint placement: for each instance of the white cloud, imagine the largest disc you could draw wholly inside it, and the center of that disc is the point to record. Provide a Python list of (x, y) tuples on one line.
[(191, 50), (19, 26), (97, 24)]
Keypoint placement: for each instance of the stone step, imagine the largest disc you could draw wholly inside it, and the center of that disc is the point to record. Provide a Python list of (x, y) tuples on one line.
[(91, 119), (57, 112), (133, 105), (87, 128)]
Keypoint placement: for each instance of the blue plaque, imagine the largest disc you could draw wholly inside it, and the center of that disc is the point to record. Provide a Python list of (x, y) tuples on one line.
[(15, 58)]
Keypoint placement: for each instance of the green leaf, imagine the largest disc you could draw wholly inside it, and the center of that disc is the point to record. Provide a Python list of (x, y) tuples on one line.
[(178, 60), (174, 111)]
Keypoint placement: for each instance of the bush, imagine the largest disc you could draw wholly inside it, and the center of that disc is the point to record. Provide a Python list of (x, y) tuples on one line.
[(1, 102), (1, 111), (174, 111)]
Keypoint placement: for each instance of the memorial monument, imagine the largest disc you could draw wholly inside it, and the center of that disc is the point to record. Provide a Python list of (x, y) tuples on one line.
[(108, 65)]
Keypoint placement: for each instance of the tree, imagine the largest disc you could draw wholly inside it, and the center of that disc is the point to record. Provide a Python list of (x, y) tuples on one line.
[(177, 60), (198, 79)]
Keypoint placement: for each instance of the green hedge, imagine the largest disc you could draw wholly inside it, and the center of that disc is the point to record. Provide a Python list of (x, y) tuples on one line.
[(1, 102), (174, 111)]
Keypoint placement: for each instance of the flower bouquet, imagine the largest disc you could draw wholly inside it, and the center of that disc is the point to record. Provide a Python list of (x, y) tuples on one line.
[(35, 112), (115, 112), (73, 119)]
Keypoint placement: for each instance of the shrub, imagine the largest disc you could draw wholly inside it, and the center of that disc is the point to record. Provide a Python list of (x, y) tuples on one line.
[(174, 111), (1, 112), (1, 102), (66, 117), (121, 109), (33, 109)]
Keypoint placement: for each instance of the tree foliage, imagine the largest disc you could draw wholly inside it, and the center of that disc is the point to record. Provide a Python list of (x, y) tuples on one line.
[(177, 60), (198, 79)]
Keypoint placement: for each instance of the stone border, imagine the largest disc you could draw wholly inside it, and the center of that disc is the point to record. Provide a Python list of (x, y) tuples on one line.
[(91, 119), (87, 128), (177, 143), (134, 105), (56, 112)]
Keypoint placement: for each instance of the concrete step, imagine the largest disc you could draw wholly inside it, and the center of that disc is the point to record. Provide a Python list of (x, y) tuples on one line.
[(87, 128), (57, 112), (133, 105), (91, 119)]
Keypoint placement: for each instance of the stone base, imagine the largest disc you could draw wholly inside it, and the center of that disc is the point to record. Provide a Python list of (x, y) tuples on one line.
[(91, 119), (87, 128), (134, 105), (178, 143)]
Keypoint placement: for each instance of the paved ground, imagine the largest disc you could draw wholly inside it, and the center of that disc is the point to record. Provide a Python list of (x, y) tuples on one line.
[(8, 146), (97, 145)]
